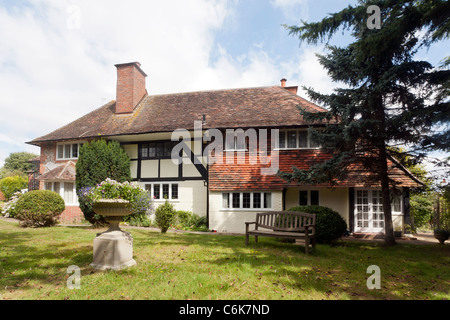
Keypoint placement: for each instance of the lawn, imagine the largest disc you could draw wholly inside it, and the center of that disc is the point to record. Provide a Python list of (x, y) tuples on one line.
[(34, 262)]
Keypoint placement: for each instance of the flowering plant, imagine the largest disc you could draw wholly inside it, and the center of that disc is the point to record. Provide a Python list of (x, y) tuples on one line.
[(140, 201)]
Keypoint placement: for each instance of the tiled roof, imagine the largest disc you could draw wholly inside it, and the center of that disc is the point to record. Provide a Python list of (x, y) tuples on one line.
[(227, 177), (232, 108), (64, 172)]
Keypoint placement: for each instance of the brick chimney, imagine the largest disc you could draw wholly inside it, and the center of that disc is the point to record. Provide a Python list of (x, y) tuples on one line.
[(292, 89), (130, 86)]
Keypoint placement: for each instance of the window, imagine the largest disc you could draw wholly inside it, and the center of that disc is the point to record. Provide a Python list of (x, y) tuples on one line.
[(162, 191), (247, 200), (65, 189), (67, 151), (157, 150), (308, 197), (296, 139)]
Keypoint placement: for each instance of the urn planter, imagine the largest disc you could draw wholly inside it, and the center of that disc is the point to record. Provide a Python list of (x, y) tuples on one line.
[(113, 249)]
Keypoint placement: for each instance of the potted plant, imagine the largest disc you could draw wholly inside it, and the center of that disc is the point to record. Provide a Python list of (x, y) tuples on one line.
[(113, 249), (398, 231)]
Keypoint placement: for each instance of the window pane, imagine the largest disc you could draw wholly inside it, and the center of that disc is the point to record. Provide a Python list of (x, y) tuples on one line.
[(257, 200), (67, 151), (303, 198), (240, 142), (282, 140), (75, 151), (48, 186), (165, 188), (267, 200), (148, 188), (314, 197), (160, 149), (151, 150), (303, 139), (68, 192), (230, 141), (167, 149), (156, 191), (60, 151), (225, 200), (56, 187), (236, 200), (174, 191), (246, 200), (144, 151), (292, 139), (313, 143)]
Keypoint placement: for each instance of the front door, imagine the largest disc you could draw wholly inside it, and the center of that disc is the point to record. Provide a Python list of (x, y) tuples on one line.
[(369, 216)]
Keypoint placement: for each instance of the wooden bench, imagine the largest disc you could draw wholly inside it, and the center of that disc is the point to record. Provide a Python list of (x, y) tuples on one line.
[(284, 224)]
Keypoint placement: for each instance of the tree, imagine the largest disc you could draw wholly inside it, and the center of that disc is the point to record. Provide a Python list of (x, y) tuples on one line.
[(97, 161), (389, 98), (11, 185), (18, 163)]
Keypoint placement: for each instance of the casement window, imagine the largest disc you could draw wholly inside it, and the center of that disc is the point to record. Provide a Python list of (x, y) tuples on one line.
[(157, 150), (308, 197), (246, 200), (162, 191), (296, 139), (67, 151), (65, 189)]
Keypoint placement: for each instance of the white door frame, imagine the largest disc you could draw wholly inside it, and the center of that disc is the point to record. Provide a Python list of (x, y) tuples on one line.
[(369, 215)]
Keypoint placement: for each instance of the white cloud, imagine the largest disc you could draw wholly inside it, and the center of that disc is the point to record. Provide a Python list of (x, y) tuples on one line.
[(294, 10)]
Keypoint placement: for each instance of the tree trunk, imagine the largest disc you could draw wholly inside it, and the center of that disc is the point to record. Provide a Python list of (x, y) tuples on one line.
[(389, 237)]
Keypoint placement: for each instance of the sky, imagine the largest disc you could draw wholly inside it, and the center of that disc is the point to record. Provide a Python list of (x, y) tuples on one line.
[(57, 57)]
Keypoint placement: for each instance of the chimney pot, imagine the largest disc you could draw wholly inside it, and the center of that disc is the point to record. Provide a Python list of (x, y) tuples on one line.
[(130, 86), (283, 82)]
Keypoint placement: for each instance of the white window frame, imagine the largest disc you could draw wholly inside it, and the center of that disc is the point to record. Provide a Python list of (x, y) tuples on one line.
[(297, 143), (161, 199), (71, 144), (241, 201), (62, 189)]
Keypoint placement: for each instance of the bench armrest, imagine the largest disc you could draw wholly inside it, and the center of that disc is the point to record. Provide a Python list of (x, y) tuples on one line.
[(310, 226), (247, 224)]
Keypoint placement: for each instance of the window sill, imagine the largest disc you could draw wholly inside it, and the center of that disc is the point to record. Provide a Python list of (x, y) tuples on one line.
[(246, 209)]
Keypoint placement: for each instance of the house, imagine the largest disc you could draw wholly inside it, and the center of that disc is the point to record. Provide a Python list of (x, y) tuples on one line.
[(216, 153)]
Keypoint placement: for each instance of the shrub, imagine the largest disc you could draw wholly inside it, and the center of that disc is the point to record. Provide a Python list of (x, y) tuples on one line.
[(421, 209), (97, 161), (9, 207), (164, 216), (186, 220), (39, 208), (10, 185), (330, 226)]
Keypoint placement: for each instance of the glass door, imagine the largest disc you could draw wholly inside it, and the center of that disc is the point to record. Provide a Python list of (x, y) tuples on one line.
[(369, 216)]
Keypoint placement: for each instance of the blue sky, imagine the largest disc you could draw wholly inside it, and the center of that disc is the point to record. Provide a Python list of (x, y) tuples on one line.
[(57, 57)]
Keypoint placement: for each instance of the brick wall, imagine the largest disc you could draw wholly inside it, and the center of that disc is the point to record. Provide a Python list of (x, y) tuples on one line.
[(72, 214)]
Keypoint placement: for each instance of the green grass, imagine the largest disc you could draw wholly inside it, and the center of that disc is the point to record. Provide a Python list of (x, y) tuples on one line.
[(33, 265)]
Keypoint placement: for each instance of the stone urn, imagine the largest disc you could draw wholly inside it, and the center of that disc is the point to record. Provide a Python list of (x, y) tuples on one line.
[(113, 249)]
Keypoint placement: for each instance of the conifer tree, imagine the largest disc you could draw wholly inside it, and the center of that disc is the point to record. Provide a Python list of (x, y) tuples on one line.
[(388, 98), (97, 161)]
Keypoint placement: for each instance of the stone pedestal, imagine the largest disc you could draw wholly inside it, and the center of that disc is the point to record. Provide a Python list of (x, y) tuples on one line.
[(113, 249)]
